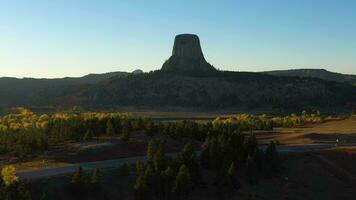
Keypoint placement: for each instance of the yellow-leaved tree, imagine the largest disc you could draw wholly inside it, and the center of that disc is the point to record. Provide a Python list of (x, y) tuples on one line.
[(8, 175)]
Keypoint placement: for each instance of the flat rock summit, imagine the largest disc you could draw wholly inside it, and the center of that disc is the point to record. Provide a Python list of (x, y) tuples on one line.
[(187, 56)]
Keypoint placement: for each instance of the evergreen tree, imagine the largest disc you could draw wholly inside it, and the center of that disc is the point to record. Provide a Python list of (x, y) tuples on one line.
[(159, 159), (44, 196), (204, 153), (140, 188), (272, 157), (230, 177), (140, 166), (149, 175), (125, 134), (214, 153), (167, 177), (78, 177), (251, 145), (151, 149), (183, 182), (188, 158), (150, 128), (96, 177), (168, 174), (251, 169), (15, 191), (110, 131)]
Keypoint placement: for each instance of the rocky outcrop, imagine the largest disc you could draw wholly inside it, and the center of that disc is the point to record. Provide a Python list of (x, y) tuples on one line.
[(187, 56)]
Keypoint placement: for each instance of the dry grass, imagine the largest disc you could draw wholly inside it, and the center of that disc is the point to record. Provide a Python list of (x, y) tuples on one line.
[(38, 164), (329, 132)]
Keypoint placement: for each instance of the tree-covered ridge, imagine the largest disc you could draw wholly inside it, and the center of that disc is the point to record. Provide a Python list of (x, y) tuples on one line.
[(316, 73), (219, 90), (210, 90)]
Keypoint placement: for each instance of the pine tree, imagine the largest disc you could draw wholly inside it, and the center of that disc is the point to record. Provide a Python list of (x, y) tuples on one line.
[(214, 153), (251, 167), (230, 177), (150, 128), (78, 177), (15, 191), (186, 154), (188, 158), (44, 196), (204, 153), (151, 149), (159, 159), (272, 157), (96, 176), (251, 145), (183, 182), (140, 188), (140, 166), (110, 131), (125, 135), (149, 175), (167, 177)]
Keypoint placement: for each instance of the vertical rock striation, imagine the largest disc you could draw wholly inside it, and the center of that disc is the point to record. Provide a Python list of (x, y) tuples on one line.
[(187, 56)]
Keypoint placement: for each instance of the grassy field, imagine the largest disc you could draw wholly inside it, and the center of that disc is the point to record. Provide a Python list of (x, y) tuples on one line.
[(331, 132)]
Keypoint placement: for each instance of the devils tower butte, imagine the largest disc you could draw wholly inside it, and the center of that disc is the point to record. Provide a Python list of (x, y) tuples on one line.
[(187, 56)]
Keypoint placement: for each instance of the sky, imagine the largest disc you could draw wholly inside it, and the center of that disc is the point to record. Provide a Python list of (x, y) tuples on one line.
[(61, 38)]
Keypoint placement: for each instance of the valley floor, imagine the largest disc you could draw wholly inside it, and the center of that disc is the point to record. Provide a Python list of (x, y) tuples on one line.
[(318, 163)]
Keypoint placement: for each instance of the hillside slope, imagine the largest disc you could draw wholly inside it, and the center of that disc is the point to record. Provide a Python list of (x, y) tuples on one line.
[(14, 91), (219, 90), (316, 73)]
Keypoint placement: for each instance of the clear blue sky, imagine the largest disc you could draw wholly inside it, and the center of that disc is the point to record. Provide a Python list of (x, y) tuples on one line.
[(60, 38)]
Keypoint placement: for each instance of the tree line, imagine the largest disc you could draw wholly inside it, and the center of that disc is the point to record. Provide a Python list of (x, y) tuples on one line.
[(24, 133)]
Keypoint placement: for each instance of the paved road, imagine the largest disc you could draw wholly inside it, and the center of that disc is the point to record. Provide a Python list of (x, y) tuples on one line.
[(88, 166)]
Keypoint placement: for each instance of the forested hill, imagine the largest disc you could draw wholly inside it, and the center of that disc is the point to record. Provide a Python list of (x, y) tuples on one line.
[(26, 91), (316, 73), (213, 90), (30, 83)]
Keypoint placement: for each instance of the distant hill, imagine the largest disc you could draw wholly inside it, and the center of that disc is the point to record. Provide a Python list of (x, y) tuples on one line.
[(316, 73), (15, 91), (217, 90), (6, 82), (220, 90)]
